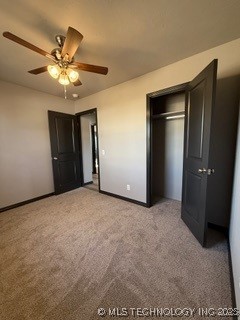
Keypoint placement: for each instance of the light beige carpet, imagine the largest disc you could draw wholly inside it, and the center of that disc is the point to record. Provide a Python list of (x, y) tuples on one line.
[(64, 257)]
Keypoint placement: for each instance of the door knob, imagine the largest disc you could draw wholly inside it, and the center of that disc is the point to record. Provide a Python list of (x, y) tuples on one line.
[(55, 158), (203, 170), (210, 171)]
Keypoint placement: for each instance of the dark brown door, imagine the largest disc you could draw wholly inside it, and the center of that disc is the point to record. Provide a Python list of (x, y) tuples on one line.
[(200, 96), (65, 151)]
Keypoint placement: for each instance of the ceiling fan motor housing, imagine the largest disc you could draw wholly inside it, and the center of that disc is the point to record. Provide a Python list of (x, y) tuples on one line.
[(57, 53)]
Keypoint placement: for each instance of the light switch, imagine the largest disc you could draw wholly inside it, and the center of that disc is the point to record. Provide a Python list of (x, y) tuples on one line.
[(103, 152)]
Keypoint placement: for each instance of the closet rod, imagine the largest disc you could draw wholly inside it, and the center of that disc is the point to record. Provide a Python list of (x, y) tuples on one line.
[(170, 115), (175, 117)]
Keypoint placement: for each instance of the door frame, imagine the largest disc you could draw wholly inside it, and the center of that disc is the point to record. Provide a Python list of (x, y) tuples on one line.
[(93, 148), (149, 97), (78, 115)]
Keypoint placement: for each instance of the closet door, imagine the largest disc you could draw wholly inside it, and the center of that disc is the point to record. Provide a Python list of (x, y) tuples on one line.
[(199, 104)]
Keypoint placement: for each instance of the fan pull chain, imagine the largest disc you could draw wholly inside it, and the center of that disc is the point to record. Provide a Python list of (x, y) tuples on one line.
[(65, 92)]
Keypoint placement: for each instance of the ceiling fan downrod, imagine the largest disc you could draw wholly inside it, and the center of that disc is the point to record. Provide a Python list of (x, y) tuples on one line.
[(60, 40)]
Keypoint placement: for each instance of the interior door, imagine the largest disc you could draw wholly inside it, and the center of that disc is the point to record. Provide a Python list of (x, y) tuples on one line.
[(65, 151), (200, 96)]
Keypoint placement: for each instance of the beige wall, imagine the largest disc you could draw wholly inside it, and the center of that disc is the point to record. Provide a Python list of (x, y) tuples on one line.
[(25, 158), (122, 117), (235, 224)]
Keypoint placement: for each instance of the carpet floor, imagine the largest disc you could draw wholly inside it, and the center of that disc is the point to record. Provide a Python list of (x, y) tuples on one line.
[(64, 257)]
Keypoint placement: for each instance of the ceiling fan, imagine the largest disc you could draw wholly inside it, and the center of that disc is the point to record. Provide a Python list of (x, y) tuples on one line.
[(64, 67)]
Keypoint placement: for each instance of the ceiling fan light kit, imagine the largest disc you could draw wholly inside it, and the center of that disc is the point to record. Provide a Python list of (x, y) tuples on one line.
[(54, 71), (72, 75), (64, 75), (63, 58), (63, 79)]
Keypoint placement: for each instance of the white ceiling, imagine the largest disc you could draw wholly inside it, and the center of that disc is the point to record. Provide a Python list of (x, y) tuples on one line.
[(130, 37)]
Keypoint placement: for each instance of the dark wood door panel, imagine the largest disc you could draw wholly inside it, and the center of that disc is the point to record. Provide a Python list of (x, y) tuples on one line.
[(196, 114), (65, 151), (194, 192), (67, 172), (65, 135), (200, 98), (192, 195)]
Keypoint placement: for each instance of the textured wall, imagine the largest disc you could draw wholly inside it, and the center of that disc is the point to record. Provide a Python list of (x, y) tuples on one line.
[(122, 117), (25, 156), (168, 164), (235, 224)]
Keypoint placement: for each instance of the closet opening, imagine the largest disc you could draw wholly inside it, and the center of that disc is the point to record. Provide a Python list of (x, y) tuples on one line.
[(165, 144)]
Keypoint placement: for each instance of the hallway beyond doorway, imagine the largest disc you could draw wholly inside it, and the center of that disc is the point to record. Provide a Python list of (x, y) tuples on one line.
[(94, 185)]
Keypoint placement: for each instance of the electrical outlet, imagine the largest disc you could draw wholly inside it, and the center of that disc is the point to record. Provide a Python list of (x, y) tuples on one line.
[(128, 187)]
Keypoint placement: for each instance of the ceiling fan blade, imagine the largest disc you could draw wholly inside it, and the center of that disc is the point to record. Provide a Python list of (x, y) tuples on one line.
[(77, 83), (89, 67), (38, 70), (71, 43), (26, 44)]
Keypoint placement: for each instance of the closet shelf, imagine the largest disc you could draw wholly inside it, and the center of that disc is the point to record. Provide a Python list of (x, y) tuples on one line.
[(167, 114)]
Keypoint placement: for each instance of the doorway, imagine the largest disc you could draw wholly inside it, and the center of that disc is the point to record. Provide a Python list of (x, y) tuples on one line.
[(166, 115), (199, 156), (89, 157)]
